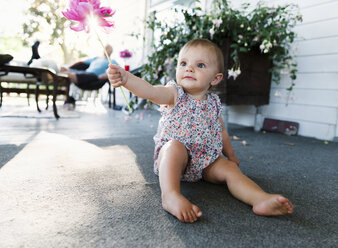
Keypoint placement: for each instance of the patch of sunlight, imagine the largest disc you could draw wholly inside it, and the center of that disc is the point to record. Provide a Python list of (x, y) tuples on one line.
[(56, 181), (48, 152)]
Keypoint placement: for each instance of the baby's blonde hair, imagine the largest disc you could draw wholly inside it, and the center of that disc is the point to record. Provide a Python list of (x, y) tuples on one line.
[(210, 45)]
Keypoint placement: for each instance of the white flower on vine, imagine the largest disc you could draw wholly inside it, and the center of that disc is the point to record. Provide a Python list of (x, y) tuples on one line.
[(212, 32), (285, 71), (234, 72), (217, 22), (269, 45), (262, 47), (265, 46), (278, 94), (231, 73), (256, 38)]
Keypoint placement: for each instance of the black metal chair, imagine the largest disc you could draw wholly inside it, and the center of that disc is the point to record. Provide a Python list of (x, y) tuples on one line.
[(37, 77)]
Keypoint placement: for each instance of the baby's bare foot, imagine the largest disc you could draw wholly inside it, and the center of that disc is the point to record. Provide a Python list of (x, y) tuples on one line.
[(273, 205), (177, 205)]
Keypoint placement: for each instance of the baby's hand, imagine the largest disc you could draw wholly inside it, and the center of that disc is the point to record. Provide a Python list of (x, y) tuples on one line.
[(117, 76)]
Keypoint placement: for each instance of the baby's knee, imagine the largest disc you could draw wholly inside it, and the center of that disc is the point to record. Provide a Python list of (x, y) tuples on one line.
[(175, 148), (175, 144)]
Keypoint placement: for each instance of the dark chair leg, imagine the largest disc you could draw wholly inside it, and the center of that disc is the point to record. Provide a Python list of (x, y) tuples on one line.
[(27, 92), (37, 96), (0, 95), (48, 93), (55, 89)]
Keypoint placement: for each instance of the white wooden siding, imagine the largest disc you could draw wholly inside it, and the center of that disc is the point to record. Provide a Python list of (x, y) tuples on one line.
[(317, 30), (314, 101)]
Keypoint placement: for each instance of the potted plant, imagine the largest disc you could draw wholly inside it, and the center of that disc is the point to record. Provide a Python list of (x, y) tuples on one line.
[(245, 35)]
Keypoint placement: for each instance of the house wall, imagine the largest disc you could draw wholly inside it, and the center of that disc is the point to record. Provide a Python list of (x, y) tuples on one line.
[(313, 103)]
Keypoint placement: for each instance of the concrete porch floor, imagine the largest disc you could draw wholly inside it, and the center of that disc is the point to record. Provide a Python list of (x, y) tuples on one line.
[(86, 180)]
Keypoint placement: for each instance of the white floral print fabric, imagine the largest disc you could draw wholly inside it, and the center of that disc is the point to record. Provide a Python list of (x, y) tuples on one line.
[(195, 123)]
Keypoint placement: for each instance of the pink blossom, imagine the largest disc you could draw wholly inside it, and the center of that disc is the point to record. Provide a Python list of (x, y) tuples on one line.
[(125, 54), (82, 10)]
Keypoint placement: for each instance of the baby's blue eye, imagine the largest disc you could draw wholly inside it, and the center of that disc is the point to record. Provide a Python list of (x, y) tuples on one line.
[(183, 64), (201, 65)]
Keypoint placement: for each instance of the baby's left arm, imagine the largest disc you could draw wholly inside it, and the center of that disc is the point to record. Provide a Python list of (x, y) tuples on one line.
[(228, 151)]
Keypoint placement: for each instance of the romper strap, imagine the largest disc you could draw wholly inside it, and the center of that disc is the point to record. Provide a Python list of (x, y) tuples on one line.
[(180, 91), (217, 102)]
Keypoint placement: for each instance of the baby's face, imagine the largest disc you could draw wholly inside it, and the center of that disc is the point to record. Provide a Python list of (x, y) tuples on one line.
[(196, 69)]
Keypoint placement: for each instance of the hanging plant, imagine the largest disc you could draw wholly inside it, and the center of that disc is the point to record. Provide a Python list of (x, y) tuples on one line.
[(269, 29)]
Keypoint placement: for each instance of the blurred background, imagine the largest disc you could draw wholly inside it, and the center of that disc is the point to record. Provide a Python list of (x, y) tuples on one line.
[(22, 22)]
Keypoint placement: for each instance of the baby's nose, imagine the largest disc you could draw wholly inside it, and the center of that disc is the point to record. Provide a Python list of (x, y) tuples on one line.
[(189, 68)]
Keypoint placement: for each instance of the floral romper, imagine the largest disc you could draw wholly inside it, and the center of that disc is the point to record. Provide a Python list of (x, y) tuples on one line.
[(195, 123)]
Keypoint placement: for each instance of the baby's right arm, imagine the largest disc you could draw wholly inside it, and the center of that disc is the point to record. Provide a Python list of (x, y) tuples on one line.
[(139, 87)]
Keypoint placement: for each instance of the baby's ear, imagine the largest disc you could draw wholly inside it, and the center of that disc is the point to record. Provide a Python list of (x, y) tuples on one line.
[(218, 78)]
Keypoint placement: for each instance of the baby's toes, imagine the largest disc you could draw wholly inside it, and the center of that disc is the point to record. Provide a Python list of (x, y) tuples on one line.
[(194, 217), (197, 211), (290, 207), (180, 217), (191, 217)]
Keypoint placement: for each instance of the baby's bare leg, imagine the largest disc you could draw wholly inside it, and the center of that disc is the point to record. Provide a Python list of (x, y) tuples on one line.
[(244, 189), (172, 161)]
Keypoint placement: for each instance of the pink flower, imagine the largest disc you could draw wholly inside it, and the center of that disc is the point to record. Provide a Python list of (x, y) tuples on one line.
[(125, 54), (83, 10)]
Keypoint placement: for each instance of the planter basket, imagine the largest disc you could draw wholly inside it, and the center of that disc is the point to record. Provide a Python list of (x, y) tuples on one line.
[(252, 86)]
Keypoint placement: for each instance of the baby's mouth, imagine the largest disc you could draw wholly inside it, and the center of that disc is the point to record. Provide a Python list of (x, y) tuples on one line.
[(189, 78)]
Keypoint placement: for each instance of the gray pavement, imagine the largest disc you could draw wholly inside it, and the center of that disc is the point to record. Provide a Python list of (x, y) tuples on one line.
[(87, 181)]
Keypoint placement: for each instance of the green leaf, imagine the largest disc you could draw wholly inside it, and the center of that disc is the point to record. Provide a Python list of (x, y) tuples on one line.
[(243, 49)]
